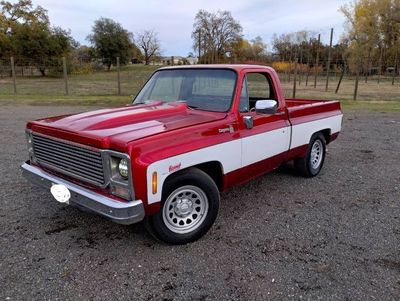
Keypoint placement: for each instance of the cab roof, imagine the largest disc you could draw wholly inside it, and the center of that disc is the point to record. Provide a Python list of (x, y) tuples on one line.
[(236, 67)]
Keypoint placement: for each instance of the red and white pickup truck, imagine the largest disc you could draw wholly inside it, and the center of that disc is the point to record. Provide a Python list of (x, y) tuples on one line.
[(190, 133)]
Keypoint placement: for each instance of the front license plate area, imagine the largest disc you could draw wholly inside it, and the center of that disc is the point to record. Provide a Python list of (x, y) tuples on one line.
[(61, 193)]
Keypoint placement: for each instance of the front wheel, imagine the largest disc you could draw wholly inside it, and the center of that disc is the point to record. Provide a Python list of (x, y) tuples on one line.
[(311, 164), (190, 206)]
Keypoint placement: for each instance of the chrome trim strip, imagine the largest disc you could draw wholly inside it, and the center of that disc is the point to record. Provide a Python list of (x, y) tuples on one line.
[(91, 148), (120, 212)]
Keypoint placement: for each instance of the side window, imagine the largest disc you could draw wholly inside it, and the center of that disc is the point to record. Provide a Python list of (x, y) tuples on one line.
[(244, 98), (259, 87)]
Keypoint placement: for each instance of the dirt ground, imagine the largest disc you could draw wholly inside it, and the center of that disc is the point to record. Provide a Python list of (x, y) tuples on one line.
[(280, 237)]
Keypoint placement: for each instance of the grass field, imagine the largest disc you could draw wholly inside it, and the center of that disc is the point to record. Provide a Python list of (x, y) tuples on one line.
[(101, 89)]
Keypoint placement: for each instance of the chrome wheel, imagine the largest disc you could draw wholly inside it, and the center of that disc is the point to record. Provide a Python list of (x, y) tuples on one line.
[(185, 209), (317, 152)]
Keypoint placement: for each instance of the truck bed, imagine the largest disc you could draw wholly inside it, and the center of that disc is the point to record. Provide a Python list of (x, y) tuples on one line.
[(298, 108)]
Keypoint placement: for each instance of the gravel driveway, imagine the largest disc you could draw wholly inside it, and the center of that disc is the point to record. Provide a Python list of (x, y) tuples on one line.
[(280, 237)]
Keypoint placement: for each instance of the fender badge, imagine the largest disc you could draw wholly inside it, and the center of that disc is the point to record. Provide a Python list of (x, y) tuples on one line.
[(176, 167), (229, 129)]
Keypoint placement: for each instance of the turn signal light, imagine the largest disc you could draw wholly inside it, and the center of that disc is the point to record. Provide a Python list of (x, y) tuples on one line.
[(154, 182)]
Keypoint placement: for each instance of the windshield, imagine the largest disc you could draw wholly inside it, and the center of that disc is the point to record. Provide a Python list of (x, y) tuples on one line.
[(203, 89)]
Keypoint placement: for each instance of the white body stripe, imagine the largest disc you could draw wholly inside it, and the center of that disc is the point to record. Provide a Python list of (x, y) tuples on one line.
[(265, 145), (228, 154), (240, 152), (301, 133)]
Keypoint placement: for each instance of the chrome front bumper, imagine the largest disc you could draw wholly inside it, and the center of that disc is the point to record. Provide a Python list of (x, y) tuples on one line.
[(120, 212)]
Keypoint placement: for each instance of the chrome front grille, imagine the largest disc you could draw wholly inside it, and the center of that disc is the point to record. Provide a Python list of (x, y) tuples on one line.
[(70, 159)]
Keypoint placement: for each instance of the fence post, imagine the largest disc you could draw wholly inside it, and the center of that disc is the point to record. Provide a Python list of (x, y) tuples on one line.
[(341, 77), (308, 61), (13, 75), (118, 77), (336, 59), (172, 60), (295, 78), (357, 78), (316, 62), (380, 66), (395, 68), (301, 64), (328, 65), (65, 74)]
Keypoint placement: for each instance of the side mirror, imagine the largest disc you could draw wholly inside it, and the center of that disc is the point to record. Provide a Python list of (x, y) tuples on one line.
[(266, 106)]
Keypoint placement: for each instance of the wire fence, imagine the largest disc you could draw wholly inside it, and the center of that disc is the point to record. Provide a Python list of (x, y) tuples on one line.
[(68, 76)]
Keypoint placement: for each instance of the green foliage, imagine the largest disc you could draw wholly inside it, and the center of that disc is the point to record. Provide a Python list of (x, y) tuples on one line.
[(373, 33), (244, 51), (110, 41), (25, 33), (42, 46)]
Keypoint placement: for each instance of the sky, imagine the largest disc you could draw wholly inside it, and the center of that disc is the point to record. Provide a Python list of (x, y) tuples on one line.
[(173, 19)]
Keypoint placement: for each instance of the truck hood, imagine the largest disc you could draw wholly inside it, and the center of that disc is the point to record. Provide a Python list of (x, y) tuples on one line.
[(114, 128)]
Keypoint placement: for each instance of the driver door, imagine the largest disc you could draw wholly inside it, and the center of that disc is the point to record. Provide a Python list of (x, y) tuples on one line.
[(265, 144)]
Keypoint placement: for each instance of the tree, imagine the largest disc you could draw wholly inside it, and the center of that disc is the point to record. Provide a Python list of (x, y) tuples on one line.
[(296, 44), (254, 50), (259, 48), (373, 32), (43, 47), (111, 40), (25, 32), (12, 16), (148, 41), (215, 34), (22, 13)]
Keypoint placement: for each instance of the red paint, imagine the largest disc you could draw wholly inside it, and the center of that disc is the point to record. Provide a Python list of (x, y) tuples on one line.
[(155, 131)]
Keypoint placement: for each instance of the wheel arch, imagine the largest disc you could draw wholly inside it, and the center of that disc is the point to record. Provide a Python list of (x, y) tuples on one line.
[(327, 134), (213, 169)]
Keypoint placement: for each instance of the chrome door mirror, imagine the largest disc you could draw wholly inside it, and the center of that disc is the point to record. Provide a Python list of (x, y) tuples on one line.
[(266, 106)]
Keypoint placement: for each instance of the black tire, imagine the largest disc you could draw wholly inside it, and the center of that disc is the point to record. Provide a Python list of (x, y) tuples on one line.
[(306, 166), (162, 225)]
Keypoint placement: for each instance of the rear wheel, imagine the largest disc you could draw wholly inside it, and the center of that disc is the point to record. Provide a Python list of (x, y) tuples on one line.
[(311, 164), (190, 206)]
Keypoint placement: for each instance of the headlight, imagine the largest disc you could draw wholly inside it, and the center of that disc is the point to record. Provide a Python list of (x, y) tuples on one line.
[(119, 174), (123, 168)]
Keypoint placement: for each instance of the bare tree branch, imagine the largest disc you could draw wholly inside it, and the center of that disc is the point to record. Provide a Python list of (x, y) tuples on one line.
[(150, 44)]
